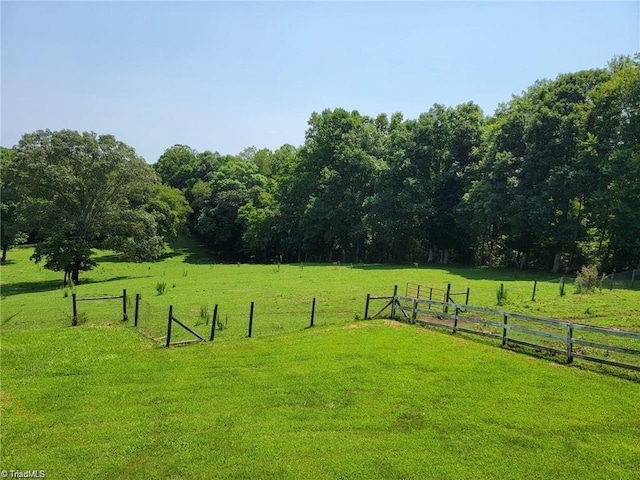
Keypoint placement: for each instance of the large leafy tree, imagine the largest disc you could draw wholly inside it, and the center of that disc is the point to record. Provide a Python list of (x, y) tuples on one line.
[(12, 224), (336, 173), (537, 177), (85, 191), (614, 202)]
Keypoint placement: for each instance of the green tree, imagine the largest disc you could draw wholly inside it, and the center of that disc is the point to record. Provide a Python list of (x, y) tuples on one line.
[(233, 185), (85, 191), (336, 173), (537, 176), (614, 202), (170, 209), (177, 166), (12, 221)]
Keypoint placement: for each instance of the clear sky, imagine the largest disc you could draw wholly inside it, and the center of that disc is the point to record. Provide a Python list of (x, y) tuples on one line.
[(223, 76)]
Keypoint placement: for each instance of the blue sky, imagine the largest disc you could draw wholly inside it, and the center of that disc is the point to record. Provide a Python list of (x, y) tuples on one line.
[(223, 76)]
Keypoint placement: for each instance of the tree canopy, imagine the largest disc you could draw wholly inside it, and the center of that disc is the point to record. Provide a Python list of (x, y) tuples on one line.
[(551, 180)]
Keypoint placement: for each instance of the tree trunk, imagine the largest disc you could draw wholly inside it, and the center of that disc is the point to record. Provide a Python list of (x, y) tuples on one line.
[(75, 275), (445, 261), (557, 262), (430, 257), (523, 261), (4, 254)]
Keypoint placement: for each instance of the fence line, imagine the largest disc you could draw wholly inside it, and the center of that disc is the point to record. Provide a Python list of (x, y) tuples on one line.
[(619, 348), (154, 322), (417, 290)]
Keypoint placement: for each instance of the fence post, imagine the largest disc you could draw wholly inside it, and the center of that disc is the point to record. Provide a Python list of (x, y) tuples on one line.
[(455, 321), (214, 320), (446, 298), (430, 296), (562, 287), (313, 311), (125, 317), (418, 292), (504, 329), (414, 310), (569, 343), (137, 310), (393, 301), (169, 321), (250, 320), (466, 299), (366, 307), (74, 321), (533, 295)]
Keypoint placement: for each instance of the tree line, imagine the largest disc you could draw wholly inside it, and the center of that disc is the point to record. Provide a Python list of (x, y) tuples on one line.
[(551, 181)]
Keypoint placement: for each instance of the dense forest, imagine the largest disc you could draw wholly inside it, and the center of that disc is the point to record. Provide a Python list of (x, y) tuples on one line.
[(551, 181)]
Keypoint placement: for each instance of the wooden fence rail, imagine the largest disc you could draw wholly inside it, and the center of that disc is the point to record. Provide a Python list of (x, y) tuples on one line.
[(561, 337)]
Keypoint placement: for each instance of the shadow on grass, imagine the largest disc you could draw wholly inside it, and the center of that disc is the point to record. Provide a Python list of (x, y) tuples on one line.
[(18, 288), (193, 249), (468, 272)]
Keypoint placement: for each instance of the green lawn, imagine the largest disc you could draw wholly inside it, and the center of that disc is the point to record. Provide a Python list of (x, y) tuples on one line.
[(346, 399)]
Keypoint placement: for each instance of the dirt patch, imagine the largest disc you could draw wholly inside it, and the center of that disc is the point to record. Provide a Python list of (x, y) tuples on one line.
[(367, 324), (556, 365), (391, 323)]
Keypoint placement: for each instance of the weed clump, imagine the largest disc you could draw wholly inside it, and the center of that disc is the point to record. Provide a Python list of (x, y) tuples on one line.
[(161, 287), (502, 295), (204, 315), (587, 279)]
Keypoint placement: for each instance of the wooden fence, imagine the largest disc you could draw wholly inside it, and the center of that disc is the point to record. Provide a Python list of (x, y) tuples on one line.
[(609, 346)]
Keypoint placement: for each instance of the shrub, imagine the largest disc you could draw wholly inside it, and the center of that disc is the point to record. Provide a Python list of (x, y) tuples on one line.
[(587, 279)]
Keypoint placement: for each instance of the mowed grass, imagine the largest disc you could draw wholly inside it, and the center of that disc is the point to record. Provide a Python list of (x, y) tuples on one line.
[(33, 297), (365, 400), (346, 399)]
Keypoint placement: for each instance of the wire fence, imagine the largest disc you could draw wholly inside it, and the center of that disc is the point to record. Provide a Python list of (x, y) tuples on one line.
[(621, 280), (235, 321)]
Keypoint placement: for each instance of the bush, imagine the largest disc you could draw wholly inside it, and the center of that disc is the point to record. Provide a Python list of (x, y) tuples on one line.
[(587, 279)]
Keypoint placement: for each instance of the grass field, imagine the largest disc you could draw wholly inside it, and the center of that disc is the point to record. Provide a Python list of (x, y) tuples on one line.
[(346, 399)]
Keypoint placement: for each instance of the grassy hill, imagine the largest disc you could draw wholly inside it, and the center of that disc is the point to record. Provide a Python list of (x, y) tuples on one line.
[(346, 399)]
